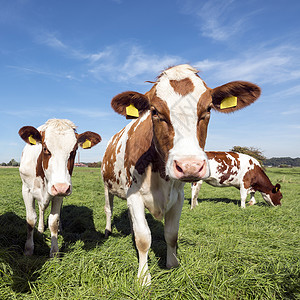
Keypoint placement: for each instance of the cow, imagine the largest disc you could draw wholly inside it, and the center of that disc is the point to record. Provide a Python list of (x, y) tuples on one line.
[(242, 172), (46, 167), (149, 161)]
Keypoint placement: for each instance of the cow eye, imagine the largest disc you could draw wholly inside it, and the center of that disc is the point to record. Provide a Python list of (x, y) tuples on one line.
[(46, 151), (154, 112)]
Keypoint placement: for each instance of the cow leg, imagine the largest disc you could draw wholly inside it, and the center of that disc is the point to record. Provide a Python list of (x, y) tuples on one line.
[(41, 226), (108, 208), (244, 194), (31, 219), (54, 223), (171, 230), (196, 186), (252, 199), (142, 235), (42, 208)]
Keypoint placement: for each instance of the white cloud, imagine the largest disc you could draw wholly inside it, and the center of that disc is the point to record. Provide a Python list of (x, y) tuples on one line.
[(120, 62), (218, 19), (130, 62), (52, 41), (45, 112), (264, 65), (45, 73)]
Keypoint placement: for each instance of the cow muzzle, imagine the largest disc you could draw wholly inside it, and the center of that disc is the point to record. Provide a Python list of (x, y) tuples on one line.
[(190, 170), (61, 189)]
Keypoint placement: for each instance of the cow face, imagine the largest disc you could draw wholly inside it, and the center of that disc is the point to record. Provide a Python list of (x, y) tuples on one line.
[(180, 104), (57, 143), (274, 196)]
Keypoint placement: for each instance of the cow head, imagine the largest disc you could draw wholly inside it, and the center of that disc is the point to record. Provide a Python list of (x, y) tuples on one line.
[(274, 196), (57, 143), (180, 103)]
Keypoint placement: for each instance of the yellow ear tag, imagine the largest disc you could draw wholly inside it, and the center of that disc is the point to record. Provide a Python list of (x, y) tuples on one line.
[(87, 144), (228, 102), (31, 140), (132, 111)]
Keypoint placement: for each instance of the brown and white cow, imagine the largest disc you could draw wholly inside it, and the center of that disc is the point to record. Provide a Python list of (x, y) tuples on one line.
[(149, 161), (241, 171), (46, 167)]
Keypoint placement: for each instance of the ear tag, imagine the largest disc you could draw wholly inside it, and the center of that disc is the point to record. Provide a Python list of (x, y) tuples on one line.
[(276, 189), (132, 112), (31, 140), (87, 144), (228, 102)]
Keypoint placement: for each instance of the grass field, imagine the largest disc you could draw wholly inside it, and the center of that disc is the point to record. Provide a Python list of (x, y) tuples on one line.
[(225, 252)]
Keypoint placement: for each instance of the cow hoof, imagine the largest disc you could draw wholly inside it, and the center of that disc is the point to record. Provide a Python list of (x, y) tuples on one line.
[(54, 253), (28, 252), (107, 233), (145, 280)]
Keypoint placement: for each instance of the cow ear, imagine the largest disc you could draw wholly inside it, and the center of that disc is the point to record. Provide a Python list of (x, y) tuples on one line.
[(88, 139), (130, 104), (234, 95), (276, 188), (30, 135)]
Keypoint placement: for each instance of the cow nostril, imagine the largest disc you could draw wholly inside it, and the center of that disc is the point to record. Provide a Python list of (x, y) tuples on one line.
[(68, 191), (201, 167), (178, 168)]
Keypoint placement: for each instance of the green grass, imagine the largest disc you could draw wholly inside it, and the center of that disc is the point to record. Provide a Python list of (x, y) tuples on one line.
[(225, 252)]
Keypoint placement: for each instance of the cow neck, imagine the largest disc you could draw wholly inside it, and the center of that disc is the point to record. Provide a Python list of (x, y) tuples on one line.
[(261, 182)]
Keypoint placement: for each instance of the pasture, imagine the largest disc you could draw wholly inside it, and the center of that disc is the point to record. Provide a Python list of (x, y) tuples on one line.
[(225, 252)]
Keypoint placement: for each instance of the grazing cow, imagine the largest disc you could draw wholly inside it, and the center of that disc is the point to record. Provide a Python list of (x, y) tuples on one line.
[(46, 167), (149, 161), (241, 171)]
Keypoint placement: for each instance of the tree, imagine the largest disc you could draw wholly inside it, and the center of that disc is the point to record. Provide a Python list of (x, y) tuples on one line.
[(13, 163), (252, 151)]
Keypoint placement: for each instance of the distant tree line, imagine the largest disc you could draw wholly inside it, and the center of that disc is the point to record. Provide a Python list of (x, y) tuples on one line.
[(254, 152), (274, 161), (12, 163), (282, 162)]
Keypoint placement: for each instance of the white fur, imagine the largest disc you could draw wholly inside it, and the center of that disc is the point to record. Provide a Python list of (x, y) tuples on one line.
[(183, 114)]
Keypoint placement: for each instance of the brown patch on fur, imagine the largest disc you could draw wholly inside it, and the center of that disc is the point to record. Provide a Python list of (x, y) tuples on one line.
[(162, 127), (182, 87), (46, 155), (39, 164), (109, 159), (54, 226), (139, 141), (226, 164), (143, 244), (203, 108), (71, 159), (39, 168)]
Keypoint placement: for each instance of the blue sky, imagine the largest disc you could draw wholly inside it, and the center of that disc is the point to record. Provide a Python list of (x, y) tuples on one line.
[(67, 59)]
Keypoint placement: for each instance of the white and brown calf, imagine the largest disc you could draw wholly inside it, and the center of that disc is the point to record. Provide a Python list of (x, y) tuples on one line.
[(46, 167), (149, 161), (241, 171)]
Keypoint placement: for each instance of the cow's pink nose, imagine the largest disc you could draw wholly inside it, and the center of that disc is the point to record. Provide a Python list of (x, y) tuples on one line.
[(61, 189), (190, 169)]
